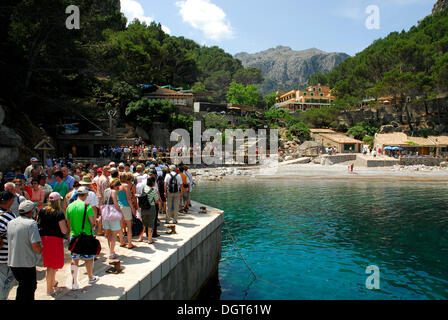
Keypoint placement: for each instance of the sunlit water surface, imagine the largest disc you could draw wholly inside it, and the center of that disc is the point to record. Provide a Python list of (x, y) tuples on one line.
[(314, 239)]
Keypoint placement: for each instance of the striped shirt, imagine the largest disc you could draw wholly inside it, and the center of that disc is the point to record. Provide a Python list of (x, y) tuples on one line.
[(5, 218)]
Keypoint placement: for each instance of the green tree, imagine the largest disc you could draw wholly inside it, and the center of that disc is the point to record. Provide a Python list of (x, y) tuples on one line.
[(145, 112), (270, 99), (239, 94)]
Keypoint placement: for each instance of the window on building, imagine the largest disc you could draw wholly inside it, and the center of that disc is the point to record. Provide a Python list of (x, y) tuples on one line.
[(321, 94), (312, 94), (348, 146), (304, 93), (314, 89), (320, 89)]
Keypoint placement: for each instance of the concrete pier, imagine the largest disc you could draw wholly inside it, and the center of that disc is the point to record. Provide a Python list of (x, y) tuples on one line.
[(174, 268)]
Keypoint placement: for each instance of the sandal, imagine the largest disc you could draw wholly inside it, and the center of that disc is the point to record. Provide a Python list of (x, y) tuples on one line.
[(112, 270), (151, 242), (132, 247), (55, 292), (123, 245), (113, 256)]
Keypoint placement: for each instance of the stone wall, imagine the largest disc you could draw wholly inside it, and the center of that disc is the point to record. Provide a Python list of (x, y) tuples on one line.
[(427, 161)]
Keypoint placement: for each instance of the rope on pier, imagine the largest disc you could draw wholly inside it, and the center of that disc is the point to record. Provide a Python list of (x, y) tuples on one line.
[(247, 265)]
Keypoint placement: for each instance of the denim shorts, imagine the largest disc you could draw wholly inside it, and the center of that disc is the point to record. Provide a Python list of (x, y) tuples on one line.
[(82, 256)]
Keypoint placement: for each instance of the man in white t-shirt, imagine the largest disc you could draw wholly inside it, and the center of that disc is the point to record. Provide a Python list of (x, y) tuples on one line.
[(172, 196)]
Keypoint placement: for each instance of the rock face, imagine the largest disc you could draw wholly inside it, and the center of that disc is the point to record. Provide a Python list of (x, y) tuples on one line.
[(286, 69), (439, 6), (9, 144)]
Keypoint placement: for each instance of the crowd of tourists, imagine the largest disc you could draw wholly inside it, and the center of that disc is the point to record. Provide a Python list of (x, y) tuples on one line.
[(43, 207), (143, 152)]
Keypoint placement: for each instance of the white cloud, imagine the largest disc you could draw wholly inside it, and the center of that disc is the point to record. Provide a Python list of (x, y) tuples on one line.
[(134, 10), (207, 17)]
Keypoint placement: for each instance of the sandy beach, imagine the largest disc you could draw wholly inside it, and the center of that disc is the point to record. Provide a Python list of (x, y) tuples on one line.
[(313, 171)]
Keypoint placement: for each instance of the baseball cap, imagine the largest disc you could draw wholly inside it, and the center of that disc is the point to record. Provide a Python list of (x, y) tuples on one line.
[(27, 206), (54, 196), (34, 159), (10, 175), (6, 196), (21, 177), (99, 170), (83, 190)]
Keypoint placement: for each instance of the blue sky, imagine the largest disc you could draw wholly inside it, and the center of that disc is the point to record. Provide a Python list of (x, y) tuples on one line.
[(257, 25)]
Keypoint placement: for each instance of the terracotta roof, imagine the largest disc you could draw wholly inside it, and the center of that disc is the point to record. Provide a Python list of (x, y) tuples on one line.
[(391, 139), (401, 139), (340, 138), (440, 141), (322, 131), (422, 142)]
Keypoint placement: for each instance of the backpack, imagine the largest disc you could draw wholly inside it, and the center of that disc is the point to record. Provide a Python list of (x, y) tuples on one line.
[(143, 201), (173, 186)]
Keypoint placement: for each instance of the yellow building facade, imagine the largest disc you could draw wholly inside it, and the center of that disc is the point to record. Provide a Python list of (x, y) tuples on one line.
[(314, 96)]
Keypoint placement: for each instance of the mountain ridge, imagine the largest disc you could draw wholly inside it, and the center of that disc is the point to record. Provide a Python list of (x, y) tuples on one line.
[(285, 69)]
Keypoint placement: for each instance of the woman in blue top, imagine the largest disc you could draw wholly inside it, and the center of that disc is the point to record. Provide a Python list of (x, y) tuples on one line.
[(124, 201)]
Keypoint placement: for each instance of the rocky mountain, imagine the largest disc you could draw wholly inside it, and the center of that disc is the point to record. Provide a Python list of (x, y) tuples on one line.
[(286, 69), (439, 6)]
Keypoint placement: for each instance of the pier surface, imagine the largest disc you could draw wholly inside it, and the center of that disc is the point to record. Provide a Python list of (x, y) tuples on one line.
[(151, 271)]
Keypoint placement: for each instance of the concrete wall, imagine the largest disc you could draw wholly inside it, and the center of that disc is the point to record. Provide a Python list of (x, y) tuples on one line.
[(364, 162), (182, 274), (340, 158), (190, 274)]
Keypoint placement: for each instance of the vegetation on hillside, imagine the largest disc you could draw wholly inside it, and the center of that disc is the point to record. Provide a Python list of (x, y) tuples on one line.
[(52, 72), (411, 64)]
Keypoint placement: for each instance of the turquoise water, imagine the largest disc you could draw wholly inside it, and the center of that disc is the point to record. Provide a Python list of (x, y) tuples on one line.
[(315, 239)]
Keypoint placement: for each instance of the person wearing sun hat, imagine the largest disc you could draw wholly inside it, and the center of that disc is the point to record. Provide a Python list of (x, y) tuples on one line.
[(92, 199), (33, 164), (52, 228)]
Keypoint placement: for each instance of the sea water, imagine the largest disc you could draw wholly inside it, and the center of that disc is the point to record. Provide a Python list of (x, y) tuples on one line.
[(315, 239)]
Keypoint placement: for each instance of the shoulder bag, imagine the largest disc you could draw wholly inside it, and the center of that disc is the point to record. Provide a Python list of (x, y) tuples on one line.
[(109, 212), (85, 244)]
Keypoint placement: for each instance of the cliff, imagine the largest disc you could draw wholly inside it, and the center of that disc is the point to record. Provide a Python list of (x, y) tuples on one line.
[(439, 6), (287, 69)]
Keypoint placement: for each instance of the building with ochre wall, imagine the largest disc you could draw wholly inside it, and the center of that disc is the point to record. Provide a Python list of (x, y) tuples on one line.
[(314, 96)]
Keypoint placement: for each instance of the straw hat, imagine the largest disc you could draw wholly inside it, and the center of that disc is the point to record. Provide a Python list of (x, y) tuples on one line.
[(86, 180)]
